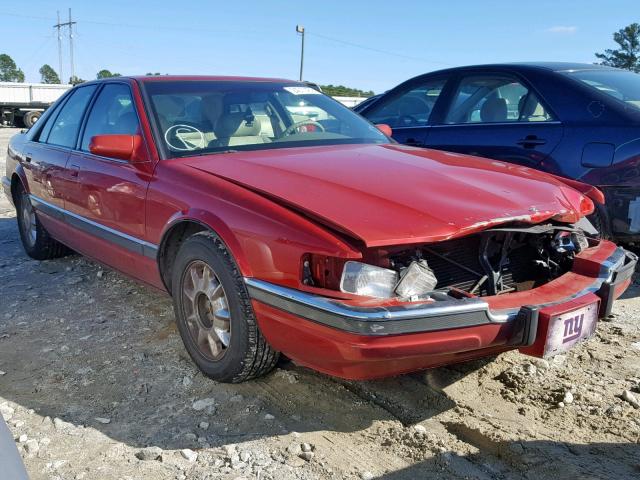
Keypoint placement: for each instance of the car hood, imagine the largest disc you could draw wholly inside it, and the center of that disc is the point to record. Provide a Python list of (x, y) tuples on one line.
[(394, 194)]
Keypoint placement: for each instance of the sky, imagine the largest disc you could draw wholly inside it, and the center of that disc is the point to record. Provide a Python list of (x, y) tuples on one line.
[(371, 45)]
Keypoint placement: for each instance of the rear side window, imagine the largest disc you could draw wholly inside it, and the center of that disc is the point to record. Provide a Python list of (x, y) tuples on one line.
[(495, 99), (619, 84), (47, 122), (111, 114), (64, 129)]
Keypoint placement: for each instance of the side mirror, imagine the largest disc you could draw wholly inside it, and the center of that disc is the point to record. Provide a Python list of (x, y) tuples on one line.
[(122, 147), (384, 128)]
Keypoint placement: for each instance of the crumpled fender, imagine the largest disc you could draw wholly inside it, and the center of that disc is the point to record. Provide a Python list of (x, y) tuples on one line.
[(594, 193)]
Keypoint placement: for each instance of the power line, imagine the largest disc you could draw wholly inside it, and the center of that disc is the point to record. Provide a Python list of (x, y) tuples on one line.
[(372, 49), (58, 26)]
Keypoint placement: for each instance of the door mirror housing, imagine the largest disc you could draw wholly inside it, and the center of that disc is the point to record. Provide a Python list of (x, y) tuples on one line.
[(122, 147), (384, 128)]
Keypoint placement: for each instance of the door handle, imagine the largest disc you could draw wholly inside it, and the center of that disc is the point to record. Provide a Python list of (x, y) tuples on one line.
[(74, 171), (530, 141)]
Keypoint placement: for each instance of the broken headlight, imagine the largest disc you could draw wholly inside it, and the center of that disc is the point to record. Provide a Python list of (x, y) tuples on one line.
[(416, 279), (364, 279)]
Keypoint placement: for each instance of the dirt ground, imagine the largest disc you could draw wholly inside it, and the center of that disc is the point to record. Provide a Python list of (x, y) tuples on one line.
[(95, 384)]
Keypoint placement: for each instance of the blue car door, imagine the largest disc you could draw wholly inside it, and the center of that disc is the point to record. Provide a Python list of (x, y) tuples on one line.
[(496, 115), (408, 109)]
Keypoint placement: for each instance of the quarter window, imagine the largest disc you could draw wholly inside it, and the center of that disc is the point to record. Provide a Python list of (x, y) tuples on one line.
[(411, 109), (495, 99), (111, 114), (64, 129)]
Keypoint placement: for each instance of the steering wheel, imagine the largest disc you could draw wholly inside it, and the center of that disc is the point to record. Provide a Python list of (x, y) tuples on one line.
[(171, 136), (291, 128)]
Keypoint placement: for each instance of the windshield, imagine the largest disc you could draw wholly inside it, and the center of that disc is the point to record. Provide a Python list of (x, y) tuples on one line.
[(197, 117), (622, 85)]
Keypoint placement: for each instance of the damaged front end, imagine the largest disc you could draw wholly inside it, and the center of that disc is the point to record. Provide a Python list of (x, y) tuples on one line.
[(539, 289), (489, 263)]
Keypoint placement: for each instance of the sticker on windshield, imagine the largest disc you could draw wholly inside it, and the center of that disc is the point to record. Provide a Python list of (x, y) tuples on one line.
[(302, 90)]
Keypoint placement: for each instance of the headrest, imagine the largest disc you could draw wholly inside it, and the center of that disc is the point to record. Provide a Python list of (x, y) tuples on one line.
[(494, 110), (239, 124), (169, 106), (527, 108)]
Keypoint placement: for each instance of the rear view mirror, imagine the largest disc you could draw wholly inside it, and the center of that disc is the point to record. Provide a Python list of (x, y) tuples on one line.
[(384, 128), (122, 147)]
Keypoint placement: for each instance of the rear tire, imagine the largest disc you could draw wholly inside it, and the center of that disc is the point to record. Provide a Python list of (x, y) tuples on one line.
[(30, 118), (214, 313), (35, 239)]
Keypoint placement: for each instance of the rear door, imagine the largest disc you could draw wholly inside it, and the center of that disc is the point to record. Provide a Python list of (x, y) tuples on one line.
[(408, 109), (46, 155), (496, 115)]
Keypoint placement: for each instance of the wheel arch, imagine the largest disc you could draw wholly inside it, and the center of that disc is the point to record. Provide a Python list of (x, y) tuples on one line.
[(184, 226), (18, 179)]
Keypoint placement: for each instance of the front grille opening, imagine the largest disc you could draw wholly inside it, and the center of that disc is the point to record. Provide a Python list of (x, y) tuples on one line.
[(494, 262)]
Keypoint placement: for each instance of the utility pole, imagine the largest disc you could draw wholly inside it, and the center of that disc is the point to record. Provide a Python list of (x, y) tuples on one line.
[(58, 26), (71, 44), (300, 30)]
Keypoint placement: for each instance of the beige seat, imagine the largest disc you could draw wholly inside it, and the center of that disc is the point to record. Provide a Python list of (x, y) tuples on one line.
[(237, 129)]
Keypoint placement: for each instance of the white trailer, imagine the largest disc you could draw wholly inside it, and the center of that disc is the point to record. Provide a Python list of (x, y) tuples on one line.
[(25, 102)]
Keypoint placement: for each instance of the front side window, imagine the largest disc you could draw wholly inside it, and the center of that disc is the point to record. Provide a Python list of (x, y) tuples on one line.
[(411, 109), (494, 99), (64, 129), (619, 84), (112, 113), (195, 117)]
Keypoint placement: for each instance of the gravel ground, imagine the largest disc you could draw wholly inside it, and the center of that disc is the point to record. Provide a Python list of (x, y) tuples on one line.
[(95, 383)]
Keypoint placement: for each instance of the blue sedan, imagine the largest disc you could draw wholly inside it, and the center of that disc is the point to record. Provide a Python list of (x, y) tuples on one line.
[(579, 121)]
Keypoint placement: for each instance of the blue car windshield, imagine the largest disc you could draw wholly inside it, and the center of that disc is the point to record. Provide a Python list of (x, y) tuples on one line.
[(620, 84), (196, 117)]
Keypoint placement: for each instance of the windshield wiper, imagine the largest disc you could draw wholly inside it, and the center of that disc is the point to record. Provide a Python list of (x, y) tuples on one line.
[(231, 150)]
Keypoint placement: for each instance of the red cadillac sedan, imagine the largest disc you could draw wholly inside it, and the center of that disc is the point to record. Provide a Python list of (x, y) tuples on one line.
[(280, 221)]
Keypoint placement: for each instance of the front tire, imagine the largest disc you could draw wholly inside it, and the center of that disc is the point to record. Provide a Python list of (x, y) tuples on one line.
[(37, 242), (214, 313)]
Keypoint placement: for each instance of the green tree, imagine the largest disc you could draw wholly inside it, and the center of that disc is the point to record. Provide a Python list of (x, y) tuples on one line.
[(104, 73), (342, 91), (75, 80), (9, 71), (628, 55), (48, 74)]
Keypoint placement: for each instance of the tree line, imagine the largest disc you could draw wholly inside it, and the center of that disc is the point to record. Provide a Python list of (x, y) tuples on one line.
[(626, 56), (9, 72)]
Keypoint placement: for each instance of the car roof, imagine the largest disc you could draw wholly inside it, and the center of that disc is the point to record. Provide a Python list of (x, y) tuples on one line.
[(563, 66), (549, 66), (209, 78)]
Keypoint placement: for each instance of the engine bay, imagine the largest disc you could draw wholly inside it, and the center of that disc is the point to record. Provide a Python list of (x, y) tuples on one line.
[(496, 261)]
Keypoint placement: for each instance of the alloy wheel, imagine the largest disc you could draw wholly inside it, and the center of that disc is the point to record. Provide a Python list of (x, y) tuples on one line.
[(28, 223), (206, 310)]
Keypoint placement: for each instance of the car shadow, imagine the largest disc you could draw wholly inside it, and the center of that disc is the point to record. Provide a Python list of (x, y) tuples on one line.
[(531, 459)]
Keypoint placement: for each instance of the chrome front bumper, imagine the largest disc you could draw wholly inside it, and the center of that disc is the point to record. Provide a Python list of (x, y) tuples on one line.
[(439, 315)]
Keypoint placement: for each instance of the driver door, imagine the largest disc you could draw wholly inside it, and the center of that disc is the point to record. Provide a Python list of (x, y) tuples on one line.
[(409, 111)]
